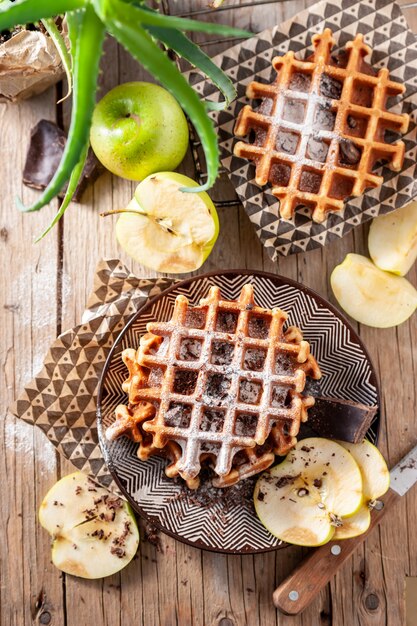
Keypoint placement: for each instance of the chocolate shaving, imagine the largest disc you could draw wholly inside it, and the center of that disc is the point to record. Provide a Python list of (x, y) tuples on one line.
[(118, 551)]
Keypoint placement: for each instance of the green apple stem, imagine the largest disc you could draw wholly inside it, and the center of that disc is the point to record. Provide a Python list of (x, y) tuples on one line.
[(164, 223)]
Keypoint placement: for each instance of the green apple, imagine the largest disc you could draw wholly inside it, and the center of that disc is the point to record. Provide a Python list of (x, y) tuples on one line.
[(138, 129), (375, 481), (392, 240), (370, 295), (302, 499), (94, 532), (166, 229)]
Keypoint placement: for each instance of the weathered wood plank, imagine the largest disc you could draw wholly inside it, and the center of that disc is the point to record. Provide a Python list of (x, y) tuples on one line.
[(29, 586)]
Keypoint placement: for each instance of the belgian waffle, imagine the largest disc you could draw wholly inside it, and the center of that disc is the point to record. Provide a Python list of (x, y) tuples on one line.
[(219, 377), (320, 128)]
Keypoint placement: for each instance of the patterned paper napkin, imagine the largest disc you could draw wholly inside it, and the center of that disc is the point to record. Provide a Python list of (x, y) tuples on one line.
[(394, 46), (61, 399)]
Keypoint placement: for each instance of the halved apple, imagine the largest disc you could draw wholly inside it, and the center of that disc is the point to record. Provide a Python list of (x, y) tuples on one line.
[(94, 532), (167, 229), (302, 499), (370, 295), (392, 240), (375, 481)]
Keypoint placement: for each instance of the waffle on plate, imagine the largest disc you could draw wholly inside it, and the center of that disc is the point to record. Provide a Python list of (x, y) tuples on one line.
[(220, 384), (321, 127)]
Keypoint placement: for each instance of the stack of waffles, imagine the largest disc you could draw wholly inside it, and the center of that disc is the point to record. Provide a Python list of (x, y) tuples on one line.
[(219, 385), (322, 127)]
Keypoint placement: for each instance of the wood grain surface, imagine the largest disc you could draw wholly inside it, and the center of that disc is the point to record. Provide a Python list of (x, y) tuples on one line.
[(44, 288)]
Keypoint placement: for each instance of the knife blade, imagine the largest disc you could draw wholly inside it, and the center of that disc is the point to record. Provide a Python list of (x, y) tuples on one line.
[(298, 590)]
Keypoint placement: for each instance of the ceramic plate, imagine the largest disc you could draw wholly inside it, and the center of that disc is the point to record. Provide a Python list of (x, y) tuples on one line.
[(225, 520)]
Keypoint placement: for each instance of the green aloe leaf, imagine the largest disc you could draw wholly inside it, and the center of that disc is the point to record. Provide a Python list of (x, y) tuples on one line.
[(143, 48), (61, 47), (72, 186), (27, 11), (90, 36), (177, 41), (146, 16)]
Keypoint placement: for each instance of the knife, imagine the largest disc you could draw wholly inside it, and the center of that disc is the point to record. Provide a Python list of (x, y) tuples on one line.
[(296, 592)]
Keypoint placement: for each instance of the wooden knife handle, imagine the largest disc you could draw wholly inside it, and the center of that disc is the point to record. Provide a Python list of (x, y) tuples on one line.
[(314, 572)]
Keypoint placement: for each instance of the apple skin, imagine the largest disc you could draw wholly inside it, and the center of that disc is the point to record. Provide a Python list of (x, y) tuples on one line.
[(139, 129)]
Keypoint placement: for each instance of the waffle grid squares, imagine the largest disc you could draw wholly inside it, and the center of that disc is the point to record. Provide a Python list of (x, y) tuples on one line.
[(174, 333), (217, 381), (331, 180)]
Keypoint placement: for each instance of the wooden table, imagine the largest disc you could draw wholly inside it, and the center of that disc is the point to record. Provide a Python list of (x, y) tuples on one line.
[(44, 289)]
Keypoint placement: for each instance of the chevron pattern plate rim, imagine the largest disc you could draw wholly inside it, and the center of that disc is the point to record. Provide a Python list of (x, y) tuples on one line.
[(233, 529)]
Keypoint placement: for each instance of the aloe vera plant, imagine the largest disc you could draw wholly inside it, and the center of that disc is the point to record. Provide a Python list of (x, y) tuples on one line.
[(140, 29)]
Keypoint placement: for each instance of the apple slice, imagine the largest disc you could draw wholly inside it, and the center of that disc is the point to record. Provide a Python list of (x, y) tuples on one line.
[(302, 499), (374, 470), (375, 481), (354, 525), (370, 295), (94, 533), (392, 240), (166, 229)]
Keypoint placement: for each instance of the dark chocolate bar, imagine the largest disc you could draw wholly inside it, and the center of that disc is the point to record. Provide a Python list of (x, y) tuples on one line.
[(340, 419), (47, 143)]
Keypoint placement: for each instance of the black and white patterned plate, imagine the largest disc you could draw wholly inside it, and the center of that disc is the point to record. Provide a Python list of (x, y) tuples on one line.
[(228, 522)]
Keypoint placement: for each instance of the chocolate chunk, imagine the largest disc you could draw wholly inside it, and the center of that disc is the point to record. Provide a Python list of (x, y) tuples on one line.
[(246, 424), (340, 419), (178, 415), (317, 150), (212, 421), (185, 382), (217, 386), (351, 122), (222, 353), (254, 359), (190, 349), (287, 142), (249, 391), (330, 87), (349, 153), (45, 151), (324, 118), (226, 321)]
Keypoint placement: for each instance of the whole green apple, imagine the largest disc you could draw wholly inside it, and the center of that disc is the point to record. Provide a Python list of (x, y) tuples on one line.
[(138, 129)]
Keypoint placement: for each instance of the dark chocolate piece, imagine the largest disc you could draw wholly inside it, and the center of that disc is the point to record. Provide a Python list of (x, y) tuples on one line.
[(340, 419), (47, 144)]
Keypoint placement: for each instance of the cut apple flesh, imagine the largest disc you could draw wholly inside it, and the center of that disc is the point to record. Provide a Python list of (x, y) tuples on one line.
[(374, 470), (165, 228), (94, 533), (392, 240), (355, 525), (370, 295), (301, 499)]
